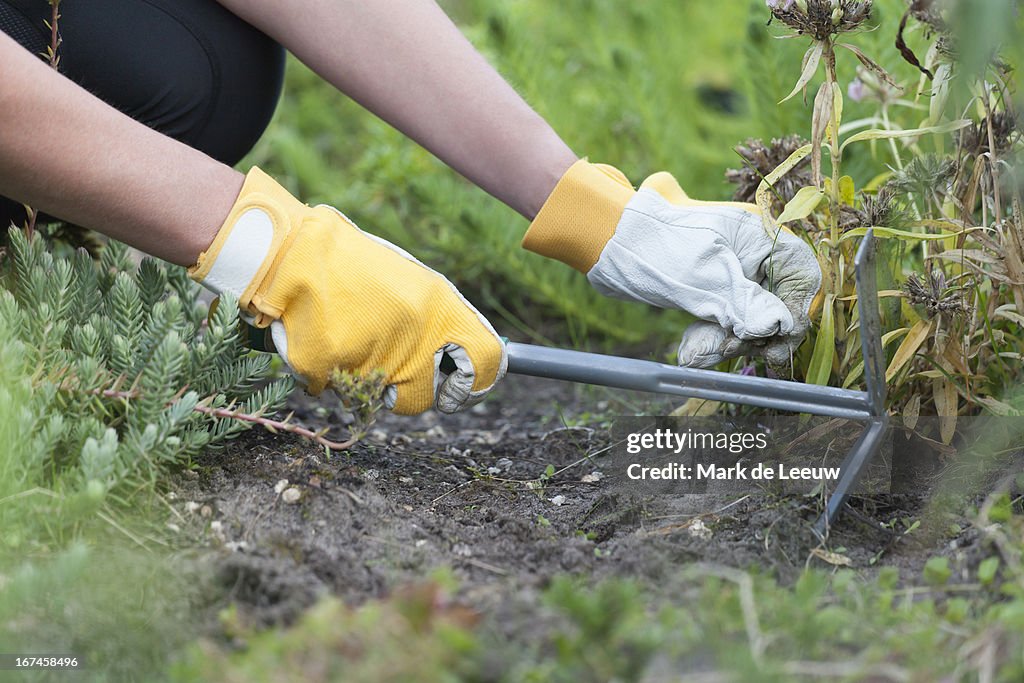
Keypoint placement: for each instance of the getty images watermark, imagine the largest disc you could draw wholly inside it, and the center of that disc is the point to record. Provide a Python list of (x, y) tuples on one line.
[(674, 455), (670, 440)]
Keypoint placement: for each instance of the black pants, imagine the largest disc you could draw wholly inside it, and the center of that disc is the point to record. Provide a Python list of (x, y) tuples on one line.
[(187, 68)]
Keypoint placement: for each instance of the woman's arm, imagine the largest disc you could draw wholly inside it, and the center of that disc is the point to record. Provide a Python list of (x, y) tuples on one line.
[(67, 153), (405, 61)]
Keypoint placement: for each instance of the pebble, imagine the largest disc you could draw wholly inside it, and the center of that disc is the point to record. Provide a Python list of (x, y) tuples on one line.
[(280, 486), (291, 495), (504, 463), (592, 477), (192, 506), (558, 500), (371, 474)]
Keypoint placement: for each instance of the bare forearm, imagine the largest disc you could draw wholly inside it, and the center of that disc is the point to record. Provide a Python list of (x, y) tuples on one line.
[(67, 153), (406, 61)]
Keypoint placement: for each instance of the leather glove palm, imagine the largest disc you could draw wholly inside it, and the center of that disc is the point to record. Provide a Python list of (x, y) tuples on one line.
[(337, 297), (657, 246)]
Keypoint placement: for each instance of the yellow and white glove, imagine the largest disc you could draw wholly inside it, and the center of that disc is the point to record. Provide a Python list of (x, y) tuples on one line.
[(659, 247), (337, 297)]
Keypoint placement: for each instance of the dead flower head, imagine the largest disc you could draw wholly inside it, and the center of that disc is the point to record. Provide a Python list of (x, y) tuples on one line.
[(760, 160), (1006, 130), (934, 295), (821, 19)]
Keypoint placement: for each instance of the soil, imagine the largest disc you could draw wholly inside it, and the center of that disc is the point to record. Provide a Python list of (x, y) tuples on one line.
[(437, 491)]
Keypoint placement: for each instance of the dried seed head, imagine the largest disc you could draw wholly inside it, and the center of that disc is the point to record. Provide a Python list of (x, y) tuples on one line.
[(821, 19), (760, 160), (1006, 130), (885, 209), (934, 295), (929, 12)]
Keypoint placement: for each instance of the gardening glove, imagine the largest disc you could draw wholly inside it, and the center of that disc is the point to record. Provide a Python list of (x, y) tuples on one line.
[(336, 297), (707, 259), (783, 264)]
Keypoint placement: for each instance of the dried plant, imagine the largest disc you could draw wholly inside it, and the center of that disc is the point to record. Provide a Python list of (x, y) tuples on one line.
[(760, 159), (945, 205)]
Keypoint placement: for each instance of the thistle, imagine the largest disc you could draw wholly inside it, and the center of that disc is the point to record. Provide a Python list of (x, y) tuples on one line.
[(934, 295), (760, 159), (821, 19)]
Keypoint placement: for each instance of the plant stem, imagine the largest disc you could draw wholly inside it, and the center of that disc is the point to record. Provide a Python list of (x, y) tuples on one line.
[(834, 199)]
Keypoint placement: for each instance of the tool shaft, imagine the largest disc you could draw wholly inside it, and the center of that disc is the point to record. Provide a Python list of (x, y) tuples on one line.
[(649, 376)]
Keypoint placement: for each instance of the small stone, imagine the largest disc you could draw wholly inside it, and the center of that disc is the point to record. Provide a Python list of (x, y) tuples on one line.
[(420, 543), (192, 506), (493, 471), (280, 486), (436, 432), (378, 435), (698, 529), (504, 463), (405, 480), (206, 511), (236, 546), (558, 500), (594, 476), (371, 474), (291, 495), (173, 527)]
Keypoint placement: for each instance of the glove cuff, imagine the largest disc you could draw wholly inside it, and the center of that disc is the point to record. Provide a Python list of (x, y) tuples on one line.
[(243, 252), (580, 215)]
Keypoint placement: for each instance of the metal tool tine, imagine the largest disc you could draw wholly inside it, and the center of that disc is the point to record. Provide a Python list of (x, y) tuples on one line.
[(870, 322)]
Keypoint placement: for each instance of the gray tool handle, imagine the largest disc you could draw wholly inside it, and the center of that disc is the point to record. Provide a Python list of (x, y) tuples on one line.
[(649, 376)]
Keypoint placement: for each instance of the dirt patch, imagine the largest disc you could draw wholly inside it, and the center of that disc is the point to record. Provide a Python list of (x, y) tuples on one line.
[(506, 495)]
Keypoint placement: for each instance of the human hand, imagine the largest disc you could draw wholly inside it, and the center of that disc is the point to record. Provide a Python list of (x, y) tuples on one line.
[(658, 246), (336, 297)]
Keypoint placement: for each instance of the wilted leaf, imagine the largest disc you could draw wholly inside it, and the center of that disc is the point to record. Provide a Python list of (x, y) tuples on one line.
[(804, 202), (811, 60), (832, 558), (697, 407), (821, 117), (764, 194), (879, 134), (917, 335), (997, 407), (912, 412), (885, 233), (871, 64), (946, 405), (820, 368)]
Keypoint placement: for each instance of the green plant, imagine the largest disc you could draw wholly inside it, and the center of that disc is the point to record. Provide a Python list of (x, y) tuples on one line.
[(116, 375), (936, 192)]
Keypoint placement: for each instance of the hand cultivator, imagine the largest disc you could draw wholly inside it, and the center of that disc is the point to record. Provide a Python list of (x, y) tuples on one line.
[(640, 375)]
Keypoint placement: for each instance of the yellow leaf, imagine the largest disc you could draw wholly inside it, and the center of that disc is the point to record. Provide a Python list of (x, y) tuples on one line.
[(879, 134), (912, 412), (697, 407), (946, 405), (804, 202), (917, 335), (811, 60), (832, 558), (820, 368), (846, 190)]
